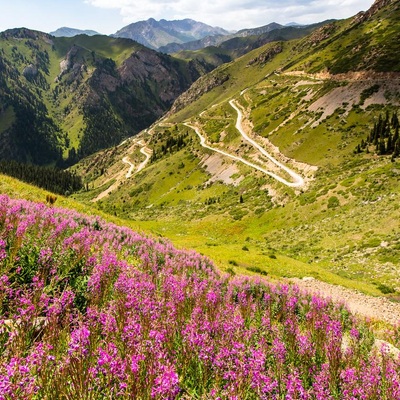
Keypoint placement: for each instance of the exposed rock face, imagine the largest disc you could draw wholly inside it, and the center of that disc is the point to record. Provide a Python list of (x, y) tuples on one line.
[(67, 62), (144, 66), (378, 5), (267, 55), (200, 87), (30, 71)]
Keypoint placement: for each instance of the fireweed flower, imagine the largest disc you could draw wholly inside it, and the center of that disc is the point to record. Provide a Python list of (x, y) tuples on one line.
[(3, 253), (79, 343), (166, 383), (109, 313)]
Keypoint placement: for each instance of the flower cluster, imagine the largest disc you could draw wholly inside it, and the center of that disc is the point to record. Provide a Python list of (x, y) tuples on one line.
[(92, 310)]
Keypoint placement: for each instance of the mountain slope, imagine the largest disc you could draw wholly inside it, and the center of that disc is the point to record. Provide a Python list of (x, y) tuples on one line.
[(238, 44), (68, 97), (202, 188), (217, 39), (154, 34)]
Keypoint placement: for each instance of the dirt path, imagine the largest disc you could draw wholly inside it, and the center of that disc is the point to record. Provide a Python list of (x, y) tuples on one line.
[(131, 167), (147, 153), (298, 181), (120, 175), (374, 308)]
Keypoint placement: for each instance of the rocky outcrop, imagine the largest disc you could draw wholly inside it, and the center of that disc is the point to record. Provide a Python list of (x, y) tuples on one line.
[(267, 55), (30, 71), (200, 87), (378, 5)]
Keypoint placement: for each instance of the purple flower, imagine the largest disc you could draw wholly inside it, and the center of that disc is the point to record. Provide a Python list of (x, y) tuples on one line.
[(166, 384), (79, 342)]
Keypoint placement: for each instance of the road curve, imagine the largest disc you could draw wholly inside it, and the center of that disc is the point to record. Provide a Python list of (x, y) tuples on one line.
[(131, 167), (298, 181), (271, 174), (118, 177), (147, 153)]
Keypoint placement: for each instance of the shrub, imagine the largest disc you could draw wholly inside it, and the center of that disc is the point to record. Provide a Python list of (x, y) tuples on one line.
[(333, 202), (257, 270), (385, 289)]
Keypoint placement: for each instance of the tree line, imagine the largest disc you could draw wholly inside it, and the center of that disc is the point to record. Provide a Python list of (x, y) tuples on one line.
[(49, 178), (384, 136)]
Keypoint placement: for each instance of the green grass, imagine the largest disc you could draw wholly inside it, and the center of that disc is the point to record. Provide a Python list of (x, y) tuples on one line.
[(116, 48), (343, 228)]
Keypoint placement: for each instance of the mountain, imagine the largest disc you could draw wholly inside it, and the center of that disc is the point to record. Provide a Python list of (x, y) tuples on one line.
[(154, 34), (64, 98), (245, 39), (70, 32), (216, 39), (293, 24), (322, 203), (258, 31), (236, 46)]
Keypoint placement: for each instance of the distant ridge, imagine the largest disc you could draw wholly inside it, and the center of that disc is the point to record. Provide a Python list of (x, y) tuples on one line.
[(293, 24), (256, 36), (155, 34), (216, 40), (71, 32)]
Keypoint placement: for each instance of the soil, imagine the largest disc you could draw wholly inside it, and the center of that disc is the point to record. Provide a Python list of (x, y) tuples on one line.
[(368, 307)]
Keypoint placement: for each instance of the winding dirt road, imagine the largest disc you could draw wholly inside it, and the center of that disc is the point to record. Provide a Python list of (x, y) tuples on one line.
[(131, 167), (298, 181), (118, 177), (147, 153), (373, 308)]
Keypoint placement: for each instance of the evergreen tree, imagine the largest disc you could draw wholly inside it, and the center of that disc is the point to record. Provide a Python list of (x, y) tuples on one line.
[(381, 147)]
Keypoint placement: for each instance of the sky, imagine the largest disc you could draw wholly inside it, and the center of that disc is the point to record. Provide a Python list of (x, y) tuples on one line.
[(108, 16)]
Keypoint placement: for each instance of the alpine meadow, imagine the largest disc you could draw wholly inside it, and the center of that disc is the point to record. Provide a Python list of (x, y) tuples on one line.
[(188, 212)]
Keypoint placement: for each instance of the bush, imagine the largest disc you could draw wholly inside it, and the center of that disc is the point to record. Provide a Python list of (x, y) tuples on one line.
[(385, 289), (333, 202), (257, 270)]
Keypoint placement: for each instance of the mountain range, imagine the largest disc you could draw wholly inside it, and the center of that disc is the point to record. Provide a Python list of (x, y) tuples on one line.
[(63, 98), (155, 34), (261, 181), (322, 204)]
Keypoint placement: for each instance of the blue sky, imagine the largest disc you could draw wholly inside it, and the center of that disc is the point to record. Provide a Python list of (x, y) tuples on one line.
[(107, 16)]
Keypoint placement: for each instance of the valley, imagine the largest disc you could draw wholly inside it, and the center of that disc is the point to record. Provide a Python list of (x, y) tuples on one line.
[(221, 222), (262, 152), (286, 232)]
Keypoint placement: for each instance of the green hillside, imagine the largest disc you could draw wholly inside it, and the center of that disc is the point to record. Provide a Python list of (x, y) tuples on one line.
[(65, 98), (340, 225), (325, 115)]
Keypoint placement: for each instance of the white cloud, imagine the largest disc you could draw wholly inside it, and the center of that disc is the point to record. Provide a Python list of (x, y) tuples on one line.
[(235, 14)]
